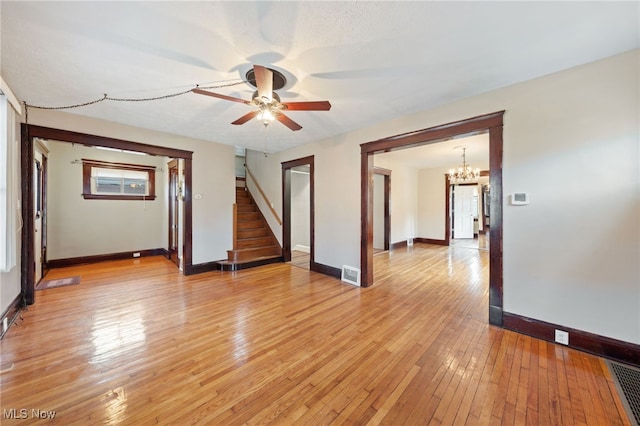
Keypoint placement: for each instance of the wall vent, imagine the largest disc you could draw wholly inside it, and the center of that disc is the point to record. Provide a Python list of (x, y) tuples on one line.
[(351, 275)]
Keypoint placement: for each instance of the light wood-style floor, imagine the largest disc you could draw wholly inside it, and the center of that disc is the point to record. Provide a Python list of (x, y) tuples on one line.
[(138, 344)]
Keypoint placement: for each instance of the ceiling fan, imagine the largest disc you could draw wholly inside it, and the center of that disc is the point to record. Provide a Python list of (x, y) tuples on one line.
[(266, 101)]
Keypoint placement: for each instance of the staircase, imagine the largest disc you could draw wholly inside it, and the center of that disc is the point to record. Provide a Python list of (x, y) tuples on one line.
[(255, 244)]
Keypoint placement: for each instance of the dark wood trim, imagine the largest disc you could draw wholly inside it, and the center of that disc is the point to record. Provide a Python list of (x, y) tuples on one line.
[(187, 250), (447, 209), (201, 268), (286, 206), (582, 340), (401, 244), (27, 265), (28, 133), (119, 197), (87, 165), (431, 241), (94, 140), (61, 263), (494, 124), (434, 134), (11, 313), (226, 266), (495, 228), (398, 245), (326, 270)]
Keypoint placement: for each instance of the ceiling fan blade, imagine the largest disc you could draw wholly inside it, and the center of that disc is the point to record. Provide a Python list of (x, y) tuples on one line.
[(288, 122), (217, 95), (307, 106), (264, 81), (246, 117)]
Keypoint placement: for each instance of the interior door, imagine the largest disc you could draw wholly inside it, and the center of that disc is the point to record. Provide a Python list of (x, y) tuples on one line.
[(463, 210), (174, 199)]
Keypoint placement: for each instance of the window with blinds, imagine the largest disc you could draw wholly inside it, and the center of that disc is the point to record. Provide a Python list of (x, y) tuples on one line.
[(117, 181)]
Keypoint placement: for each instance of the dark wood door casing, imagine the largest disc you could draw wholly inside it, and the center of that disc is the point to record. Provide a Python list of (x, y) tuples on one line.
[(493, 123), (27, 135), (173, 212), (286, 206)]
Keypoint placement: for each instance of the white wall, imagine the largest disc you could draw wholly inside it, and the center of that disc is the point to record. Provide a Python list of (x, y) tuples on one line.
[(77, 227), (571, 141), (404, 198), (213, 212), (432, 203)]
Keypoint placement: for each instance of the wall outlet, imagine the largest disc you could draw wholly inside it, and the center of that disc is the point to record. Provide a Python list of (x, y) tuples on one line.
[(136, 254), (5, 324), (562, 337)]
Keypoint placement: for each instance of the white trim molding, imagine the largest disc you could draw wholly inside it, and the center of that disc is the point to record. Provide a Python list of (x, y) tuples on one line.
[(5, 90)]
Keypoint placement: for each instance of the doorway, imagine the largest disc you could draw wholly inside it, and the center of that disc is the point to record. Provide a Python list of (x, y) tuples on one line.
[(381, 209), (493, 123), (298, 212), (40, 156), (175, 228), (29, 135)]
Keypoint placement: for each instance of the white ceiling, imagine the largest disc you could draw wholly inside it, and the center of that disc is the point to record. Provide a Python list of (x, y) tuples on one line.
[(372, 60)]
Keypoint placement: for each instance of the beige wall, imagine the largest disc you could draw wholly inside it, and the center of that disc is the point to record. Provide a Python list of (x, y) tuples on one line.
[(571, 142), (79, 227)]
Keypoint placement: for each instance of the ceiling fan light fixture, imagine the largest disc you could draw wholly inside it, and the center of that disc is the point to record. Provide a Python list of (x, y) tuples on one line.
[(266, 115)]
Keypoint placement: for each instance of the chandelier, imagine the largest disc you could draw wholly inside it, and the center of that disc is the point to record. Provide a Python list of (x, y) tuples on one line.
[(464, 173)]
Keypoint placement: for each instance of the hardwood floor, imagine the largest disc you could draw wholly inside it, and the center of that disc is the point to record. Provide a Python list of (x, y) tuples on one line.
[(135, 343), (300, 259)]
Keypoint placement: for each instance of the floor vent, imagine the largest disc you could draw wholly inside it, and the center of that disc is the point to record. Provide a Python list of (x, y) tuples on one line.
[(627, 381), (350, 275)]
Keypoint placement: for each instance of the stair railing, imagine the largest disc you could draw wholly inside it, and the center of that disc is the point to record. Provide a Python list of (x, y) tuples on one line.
[(264, 196)]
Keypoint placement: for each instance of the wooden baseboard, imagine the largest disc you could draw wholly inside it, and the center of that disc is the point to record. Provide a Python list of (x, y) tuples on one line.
[(201, 268), (11, 313), (606, 347), (61, 263), (398, 245), (238, 266), (326, 270), (431, 241)]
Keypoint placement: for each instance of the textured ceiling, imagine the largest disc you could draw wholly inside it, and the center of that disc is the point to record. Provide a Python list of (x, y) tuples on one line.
[(372, 60)]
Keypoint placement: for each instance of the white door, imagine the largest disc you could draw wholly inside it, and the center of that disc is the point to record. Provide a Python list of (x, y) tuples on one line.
[(463, 210)]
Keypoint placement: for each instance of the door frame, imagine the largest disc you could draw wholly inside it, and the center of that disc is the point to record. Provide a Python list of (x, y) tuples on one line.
[(40, 207), (174, 210), (286, 207), (387, 204), (29, 133), (493, 123), (447, 211)]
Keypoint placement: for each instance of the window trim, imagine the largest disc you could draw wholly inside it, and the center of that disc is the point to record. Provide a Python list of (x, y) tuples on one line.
[(87, 165)]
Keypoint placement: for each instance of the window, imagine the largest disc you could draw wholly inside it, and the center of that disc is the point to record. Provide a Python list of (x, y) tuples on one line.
[(9, 189), (102, 180)]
